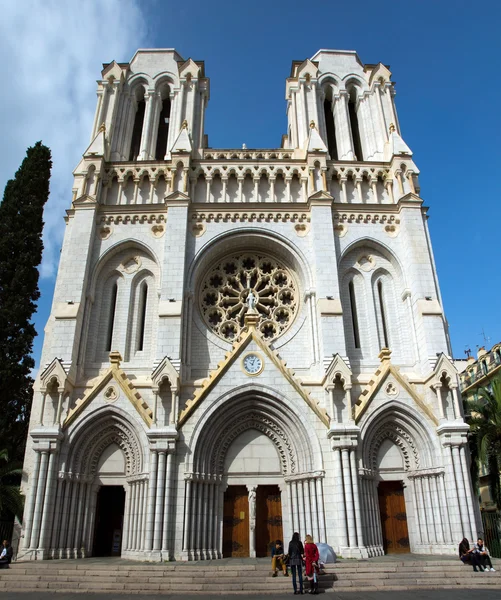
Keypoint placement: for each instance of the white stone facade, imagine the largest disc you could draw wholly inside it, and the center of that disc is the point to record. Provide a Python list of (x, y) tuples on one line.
[(143, 381)]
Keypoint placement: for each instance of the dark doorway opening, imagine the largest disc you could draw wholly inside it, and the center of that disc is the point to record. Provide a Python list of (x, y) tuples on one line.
[(236, 522), (109, 521), (393, 517), (268, 518)]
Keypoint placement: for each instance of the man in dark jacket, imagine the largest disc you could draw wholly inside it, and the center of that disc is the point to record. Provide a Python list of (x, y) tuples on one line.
[(6, 555)]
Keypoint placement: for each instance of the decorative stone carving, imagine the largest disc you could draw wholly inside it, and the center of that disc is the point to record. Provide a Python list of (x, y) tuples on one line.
[(391, 390), (366, 263), (131, 265), (105, 232), (111, 394), (227, 287), (158, 230)]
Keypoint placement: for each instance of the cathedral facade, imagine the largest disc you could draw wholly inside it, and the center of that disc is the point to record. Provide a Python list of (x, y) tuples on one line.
[(244, 343)]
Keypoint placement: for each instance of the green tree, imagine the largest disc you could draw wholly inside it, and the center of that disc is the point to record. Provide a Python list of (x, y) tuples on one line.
[(21, 224), (11, 499), (485, 435)]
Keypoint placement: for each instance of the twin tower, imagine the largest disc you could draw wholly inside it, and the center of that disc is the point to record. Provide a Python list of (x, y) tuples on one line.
[(246, 342)]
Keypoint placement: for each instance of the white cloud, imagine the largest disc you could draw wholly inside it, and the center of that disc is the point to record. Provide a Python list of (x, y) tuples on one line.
[(52, 52)]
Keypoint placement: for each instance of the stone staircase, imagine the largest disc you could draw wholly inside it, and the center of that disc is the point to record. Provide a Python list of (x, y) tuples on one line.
[(238, 577)]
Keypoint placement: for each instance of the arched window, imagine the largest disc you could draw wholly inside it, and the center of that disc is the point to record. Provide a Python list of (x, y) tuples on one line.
[(355, 130), (111, 316), (354, 315), (330, 125), (163, 130), (382, 315), (137, 130), (143, 300)]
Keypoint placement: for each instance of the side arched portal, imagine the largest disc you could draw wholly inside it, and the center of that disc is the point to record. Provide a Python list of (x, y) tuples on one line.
[(101, 479), (404, 496), (251, 439)]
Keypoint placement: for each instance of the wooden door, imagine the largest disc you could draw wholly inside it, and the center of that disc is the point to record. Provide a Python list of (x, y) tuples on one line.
[(393, 517), (236, 522), (268, 518)]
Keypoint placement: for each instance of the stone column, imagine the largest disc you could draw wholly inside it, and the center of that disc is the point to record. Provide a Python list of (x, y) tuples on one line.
[(356, 497), (168, 503), (187, 507), (438, 390), (31, 504), (321, 510), (38, 509), (149, 99), (341, 501), (48, 508), (150, 517), (348, 494), (159, 501), (346, 152)]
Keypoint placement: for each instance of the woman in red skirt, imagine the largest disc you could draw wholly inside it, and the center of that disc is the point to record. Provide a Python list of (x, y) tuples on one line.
[(311, 558)]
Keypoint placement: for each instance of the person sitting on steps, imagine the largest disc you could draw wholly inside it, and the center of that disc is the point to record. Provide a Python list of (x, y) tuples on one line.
[(468, 556), (483, 555), (6, 555), (278, 559)]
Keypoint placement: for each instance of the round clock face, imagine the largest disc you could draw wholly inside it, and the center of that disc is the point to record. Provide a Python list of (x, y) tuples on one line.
[(252, 364)]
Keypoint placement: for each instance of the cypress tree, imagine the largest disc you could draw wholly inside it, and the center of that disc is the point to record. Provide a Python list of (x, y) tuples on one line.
[(21, 224)]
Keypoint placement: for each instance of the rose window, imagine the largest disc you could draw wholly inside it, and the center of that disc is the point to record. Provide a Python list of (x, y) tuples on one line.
[(224, 297)]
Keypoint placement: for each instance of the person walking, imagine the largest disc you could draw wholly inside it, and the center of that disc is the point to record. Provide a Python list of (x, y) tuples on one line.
[(296, 552), (311, 558)]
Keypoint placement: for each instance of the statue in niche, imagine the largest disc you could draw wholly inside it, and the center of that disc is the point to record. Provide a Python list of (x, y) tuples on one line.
[(252, 505), (251, 302)]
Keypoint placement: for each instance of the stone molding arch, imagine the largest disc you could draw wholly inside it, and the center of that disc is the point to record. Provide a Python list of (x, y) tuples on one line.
[(261, 239), (378, 246), (406, 428), (115, 249), (400, 438), (95, 435), (264, 411)]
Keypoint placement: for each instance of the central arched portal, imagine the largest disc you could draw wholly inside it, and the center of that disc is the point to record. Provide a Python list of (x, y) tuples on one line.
[(255, 478)]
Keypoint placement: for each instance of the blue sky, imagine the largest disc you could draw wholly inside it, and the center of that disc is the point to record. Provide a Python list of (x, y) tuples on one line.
[(443, 56)]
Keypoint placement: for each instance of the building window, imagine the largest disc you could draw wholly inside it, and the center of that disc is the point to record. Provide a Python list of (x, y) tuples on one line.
[(111, 317), (143, 301), (331, 129), (354, 316), (384, 325), (163, 130), (137, 131), (355, 130)]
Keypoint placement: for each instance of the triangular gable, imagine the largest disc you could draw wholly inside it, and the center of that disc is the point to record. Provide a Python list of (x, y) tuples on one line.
[(380, 71), (177, 196), (116, 373), (85, 199), (251, 334), (113, 69), (395, 146), (321, 195), (98, 145), (336, 367), (54, 370), (382, 373), (443, 366), (307, 67), (315, 142), (183, 142), (189, 67), (165, 370)]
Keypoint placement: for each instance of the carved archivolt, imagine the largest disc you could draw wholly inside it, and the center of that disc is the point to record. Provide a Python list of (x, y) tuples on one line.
[(401, 439), (247, 421), (96, 440)]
